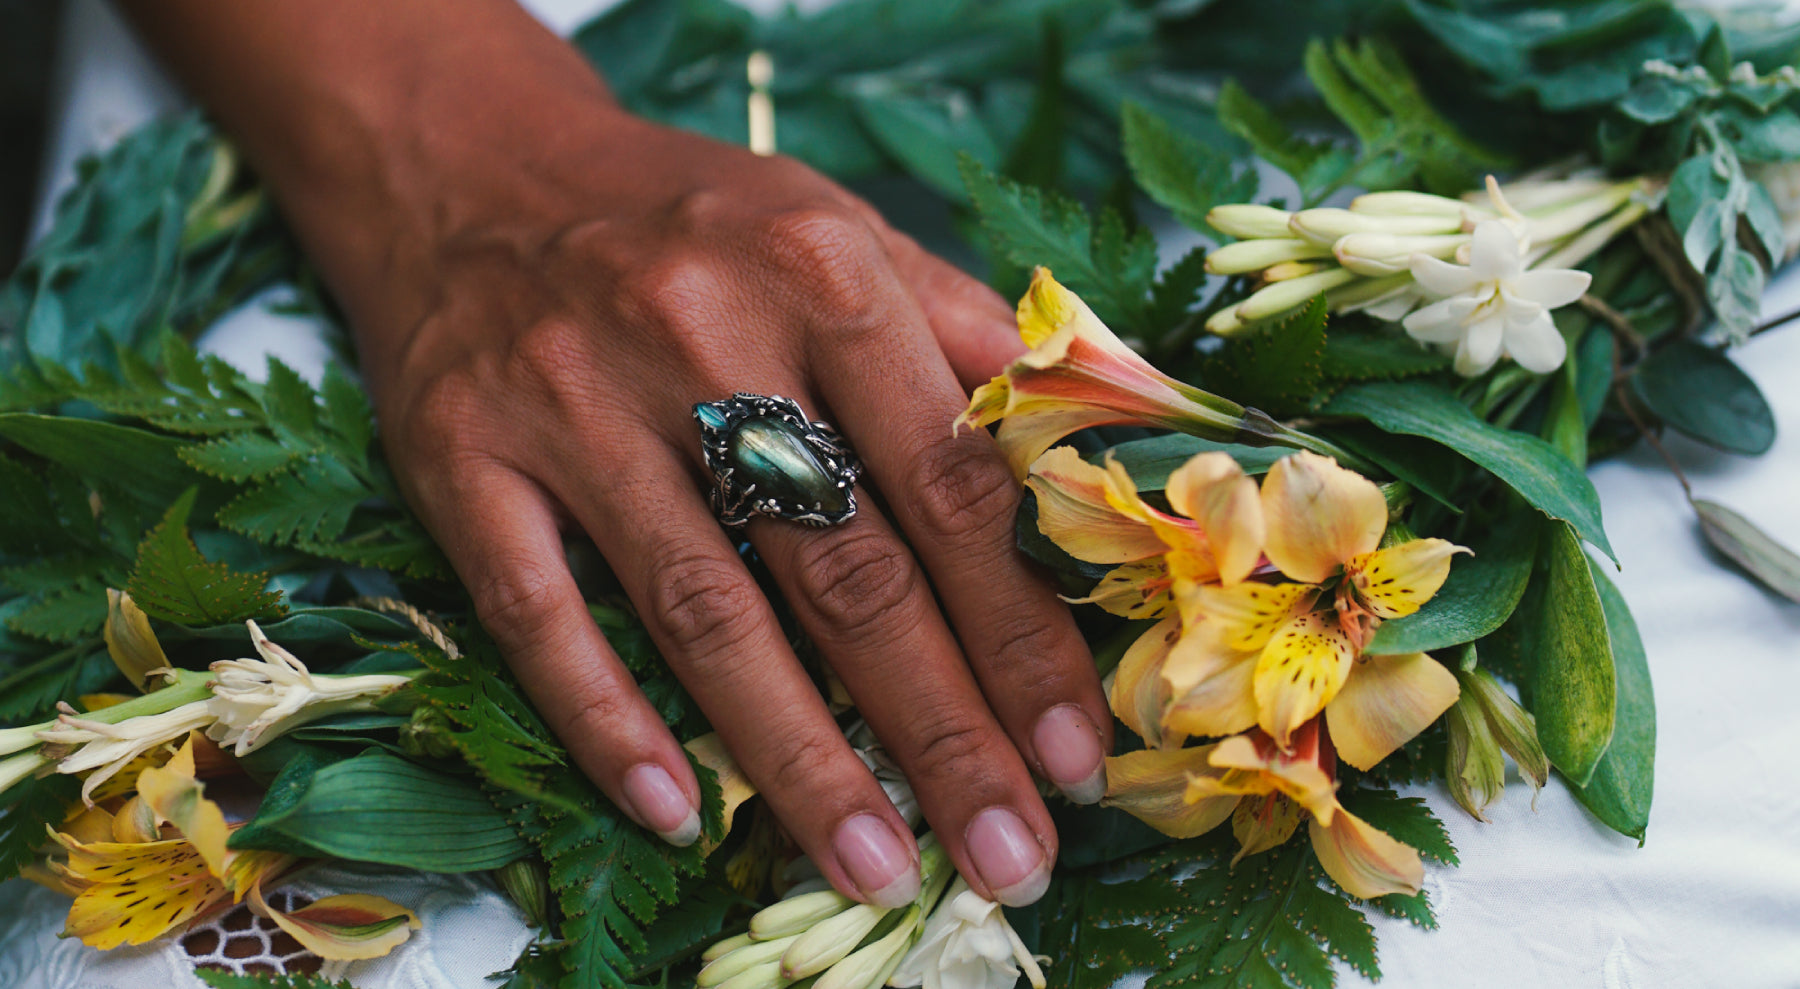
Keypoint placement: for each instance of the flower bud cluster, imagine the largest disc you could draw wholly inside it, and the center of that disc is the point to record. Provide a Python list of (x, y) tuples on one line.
[(1362, 256)]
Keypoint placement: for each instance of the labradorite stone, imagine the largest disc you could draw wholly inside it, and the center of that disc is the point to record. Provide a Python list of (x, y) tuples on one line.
[(709, 415), (771, 454)]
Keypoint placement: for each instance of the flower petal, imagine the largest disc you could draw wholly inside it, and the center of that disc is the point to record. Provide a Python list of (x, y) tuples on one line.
[(1211, 686), (141, 909), (1365, 860), (1300, 671), (1213, 490), (176, 796), (1134, 590), (1152, 784), (348, 927), (1480, 347), (1550, 287), (734, 785), (1319, 516), (1387, 701), (1047, 308), (1139, 694), (130, 640), (1494, 253), (1537, 345), (987, 405), (1396, 581), (1074, 511), (1243, 616), (1442, 321), (1440, 277), (1262, 823)]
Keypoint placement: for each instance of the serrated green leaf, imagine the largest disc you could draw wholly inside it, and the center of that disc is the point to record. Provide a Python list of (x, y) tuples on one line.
[(64, 616), (143, 464), (173, 582), (1267, 133), (32, 691), (1478, 596), (311, 504), (347, 413), (245, 456), (1407, 819), (1543, 477), (29, 807), (1625, 778), (1377, 357), (223, 979), (1276, 368), (1186, 177)]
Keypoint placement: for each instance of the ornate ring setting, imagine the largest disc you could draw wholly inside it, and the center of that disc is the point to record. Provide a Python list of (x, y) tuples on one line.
[(767, 458)]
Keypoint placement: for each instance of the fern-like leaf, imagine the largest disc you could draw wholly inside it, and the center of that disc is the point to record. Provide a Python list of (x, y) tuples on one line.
[(173, 582), (220, 979)]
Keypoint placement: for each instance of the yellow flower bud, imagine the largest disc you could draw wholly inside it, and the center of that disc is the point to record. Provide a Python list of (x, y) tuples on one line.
[(1401, 203), (765, 976), (1294, 269), (719, 949), (1325, 225), (1484, 722), (797, 913), (829, 941), (757, 955), (869, 967), (1247, 220), (1282, 296), (1386, 254)]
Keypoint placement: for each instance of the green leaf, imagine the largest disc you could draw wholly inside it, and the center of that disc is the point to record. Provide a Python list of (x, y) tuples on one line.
[(63, 616), (313, 504), (30, 806), (493, 727), (927, 134), (1564, 640), (219, 978), (379, 808), (1371, 357), (1776, 566), (1478, 596), (142, 464), (1186, 177), (1151, 461), (1276, 368), (1268, 134), (1543, 477), (31, 691), (1407, 819), (173, 582), (1619, 794), (1110, 270), (245, 456), (1705, 395)]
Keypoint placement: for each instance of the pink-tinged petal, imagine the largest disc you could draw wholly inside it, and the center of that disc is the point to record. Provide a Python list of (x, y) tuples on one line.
[(1550, 287), (1243, 616), (987, 405), (349, 927), (1152, 785), (1494, 253), (1319, 516), (1365, 860), (1300, 671), (1211, 686), (1480, 347), (1442, 321), (1387, 701), (1074, 512), (1213, 490), (1441, 277), (1537, 345), (1047, 308), (1024, 437), (1135, 590), (1139, 694), (1396, 581), (1257, 765)]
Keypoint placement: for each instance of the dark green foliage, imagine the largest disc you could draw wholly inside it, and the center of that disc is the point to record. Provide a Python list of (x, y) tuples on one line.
[(173, 582), (1275, 368), (220, 979), (1186, 177), (26, 811)]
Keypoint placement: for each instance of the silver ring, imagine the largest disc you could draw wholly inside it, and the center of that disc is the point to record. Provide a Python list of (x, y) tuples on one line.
[(767, 458)]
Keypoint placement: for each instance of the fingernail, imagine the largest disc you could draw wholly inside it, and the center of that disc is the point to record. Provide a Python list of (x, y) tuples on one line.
[(661, 805), (1068, 745), (1008, 856), (878, 861)]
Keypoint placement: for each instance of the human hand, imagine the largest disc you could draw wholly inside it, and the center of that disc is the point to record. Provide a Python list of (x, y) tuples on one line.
[(542, 287)]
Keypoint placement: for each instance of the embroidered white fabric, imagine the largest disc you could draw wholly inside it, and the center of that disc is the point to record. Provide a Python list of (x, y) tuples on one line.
[(469, 931), (1549, 898)]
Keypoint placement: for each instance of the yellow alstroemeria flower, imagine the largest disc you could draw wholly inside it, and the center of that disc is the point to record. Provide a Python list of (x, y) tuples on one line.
[(1297, 642), (1266, 793), (1079, 374), (161, 862), (1215, 536)]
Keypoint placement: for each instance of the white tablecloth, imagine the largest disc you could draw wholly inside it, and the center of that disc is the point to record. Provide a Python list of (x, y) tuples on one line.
[(1546, 898)]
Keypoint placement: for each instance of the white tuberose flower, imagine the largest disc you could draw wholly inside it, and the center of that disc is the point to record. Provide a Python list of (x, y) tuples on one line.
[(253, 698), (1493, 306), (967, 944)]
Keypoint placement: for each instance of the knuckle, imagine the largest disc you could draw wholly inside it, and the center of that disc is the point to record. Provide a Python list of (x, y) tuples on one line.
[(802, 762), (857, 583), (700, 605), (1034, 655), (951, 748), (550, 355), (829, 251), (517, 604), (602, 710), (962, 488)]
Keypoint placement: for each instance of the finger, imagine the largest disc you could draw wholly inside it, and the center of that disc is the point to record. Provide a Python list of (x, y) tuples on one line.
[(719, 635), (861, 597), (501, 535), (975, 328), (956, 500)]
